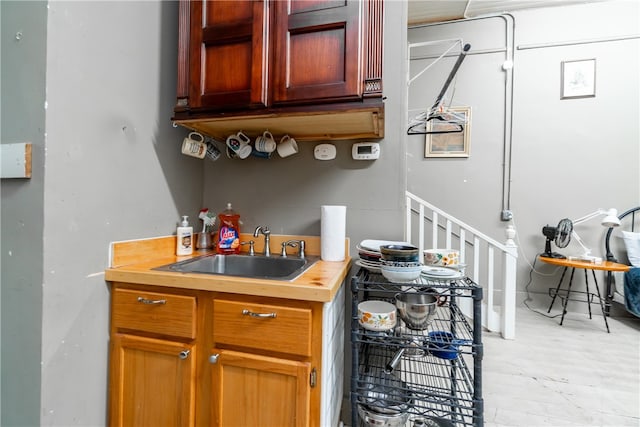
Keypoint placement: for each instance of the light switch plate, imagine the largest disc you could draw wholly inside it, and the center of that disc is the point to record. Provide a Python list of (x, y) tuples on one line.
[(324, 152)]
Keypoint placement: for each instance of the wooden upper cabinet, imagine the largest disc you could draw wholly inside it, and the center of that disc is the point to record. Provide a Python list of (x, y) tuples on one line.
[(228, 54), (243, 64), (317, 51)]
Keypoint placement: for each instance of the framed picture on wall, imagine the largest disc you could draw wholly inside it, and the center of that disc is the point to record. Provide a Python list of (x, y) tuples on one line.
[(578, 79), (448, 136)]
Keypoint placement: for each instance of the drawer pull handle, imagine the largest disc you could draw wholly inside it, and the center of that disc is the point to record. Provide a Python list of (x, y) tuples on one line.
[(184, 354), (152, 301), (260, 315)]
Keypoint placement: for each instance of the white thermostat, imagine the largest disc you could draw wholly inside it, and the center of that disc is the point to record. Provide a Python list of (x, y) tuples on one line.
[(365, 151), (324, 152)]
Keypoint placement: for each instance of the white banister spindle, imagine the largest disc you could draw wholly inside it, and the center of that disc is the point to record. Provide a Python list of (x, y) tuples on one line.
[(421, 228), (407, 219), (476, 259), (497, 316), (434, 230)]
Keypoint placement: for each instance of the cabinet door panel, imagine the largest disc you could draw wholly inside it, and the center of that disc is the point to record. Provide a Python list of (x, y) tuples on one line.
[(272, 392), (227, 79), (228, 54), (150, 384), (317, 52)]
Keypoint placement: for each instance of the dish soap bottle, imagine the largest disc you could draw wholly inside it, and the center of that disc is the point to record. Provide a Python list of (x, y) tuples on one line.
[(184, 241), (229, 232)]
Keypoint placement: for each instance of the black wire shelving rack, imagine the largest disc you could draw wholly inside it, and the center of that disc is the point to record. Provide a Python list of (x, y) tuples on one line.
[(432, 390)]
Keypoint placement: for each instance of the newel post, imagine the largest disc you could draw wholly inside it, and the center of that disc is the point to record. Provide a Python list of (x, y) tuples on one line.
[(509, 301)]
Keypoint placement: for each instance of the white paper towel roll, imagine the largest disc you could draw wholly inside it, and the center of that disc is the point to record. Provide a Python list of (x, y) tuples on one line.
[(333, 227)]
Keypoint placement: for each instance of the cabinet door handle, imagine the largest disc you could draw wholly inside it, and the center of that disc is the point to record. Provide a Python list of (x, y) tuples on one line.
[(152, 301), (184, 354), (260, 315), (213, 359)]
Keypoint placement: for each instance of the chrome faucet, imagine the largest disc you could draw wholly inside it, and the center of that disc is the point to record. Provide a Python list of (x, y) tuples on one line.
[(293, 243), (264, 230)]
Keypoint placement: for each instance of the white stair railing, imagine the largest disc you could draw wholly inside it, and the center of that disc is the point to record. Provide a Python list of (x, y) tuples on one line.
[(495, 274)]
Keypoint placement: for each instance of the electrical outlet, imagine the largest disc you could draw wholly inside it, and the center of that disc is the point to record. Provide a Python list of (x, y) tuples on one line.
[(507, 215)]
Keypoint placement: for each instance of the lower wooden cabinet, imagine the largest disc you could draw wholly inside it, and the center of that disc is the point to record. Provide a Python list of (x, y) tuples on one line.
[(195, 358), (272, 392), (152, 382)]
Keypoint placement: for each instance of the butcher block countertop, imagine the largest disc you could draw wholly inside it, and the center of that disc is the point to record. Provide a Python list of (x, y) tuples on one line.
[(133, 262)]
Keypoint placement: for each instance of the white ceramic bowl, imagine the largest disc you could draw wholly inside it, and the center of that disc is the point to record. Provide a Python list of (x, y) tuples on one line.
[(401, 274), (377, 315), (441, 257)]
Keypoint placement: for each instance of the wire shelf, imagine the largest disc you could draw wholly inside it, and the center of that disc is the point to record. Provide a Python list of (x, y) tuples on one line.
[(445, 390)]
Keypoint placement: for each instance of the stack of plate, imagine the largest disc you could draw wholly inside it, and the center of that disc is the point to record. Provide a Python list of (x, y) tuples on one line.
[(442, 273), (369, 253)]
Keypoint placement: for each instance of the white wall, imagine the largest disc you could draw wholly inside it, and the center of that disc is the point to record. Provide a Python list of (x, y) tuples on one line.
[(568, 158)]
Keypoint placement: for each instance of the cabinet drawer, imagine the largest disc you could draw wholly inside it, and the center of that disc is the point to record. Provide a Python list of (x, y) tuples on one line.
[(159, 313), (262, 326)]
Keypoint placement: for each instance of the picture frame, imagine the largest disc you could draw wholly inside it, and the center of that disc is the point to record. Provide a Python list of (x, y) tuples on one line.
[(450, 143), (578, 79)]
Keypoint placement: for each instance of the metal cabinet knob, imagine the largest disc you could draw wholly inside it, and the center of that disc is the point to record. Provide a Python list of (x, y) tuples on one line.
[(214, 358), (184, 354)]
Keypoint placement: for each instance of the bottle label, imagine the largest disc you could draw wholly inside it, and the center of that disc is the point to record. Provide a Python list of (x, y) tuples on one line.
[(185, 242), (229, 238)]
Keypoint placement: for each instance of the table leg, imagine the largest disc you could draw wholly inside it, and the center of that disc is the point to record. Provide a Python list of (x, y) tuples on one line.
[(608, 296), (586, 281), (564, 307), (557, 290), (600, 300)]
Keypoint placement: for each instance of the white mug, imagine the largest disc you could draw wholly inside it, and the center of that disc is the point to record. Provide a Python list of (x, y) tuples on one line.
[(265, 142), (239, 143), (287, 146), (193, 145)]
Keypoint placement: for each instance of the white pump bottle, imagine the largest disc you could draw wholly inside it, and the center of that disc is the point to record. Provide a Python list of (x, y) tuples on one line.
[(184, 240)]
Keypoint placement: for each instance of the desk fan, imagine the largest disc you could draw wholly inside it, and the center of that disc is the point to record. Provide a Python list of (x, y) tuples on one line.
[(561, 235)]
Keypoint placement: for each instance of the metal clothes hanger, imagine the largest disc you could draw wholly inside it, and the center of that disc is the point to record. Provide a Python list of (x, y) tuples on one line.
[(418, 127)]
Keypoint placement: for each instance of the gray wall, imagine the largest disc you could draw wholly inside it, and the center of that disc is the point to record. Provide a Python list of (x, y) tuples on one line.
[(24, 31), (569, 157), (112, 170)]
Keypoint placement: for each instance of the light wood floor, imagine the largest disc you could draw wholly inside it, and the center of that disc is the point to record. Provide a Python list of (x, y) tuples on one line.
[(571, 375)]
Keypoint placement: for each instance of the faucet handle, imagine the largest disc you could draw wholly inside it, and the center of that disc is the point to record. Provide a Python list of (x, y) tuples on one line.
[(293, 243), (250, 243)]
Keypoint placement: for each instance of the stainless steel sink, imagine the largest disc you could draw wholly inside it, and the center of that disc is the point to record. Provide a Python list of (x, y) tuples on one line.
[(255, 266)]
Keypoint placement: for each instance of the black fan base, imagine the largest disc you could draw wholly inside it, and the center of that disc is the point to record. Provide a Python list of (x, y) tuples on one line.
[(553, 255), (547, 251)]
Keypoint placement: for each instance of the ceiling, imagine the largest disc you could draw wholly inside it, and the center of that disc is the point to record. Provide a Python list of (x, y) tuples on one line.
[(425, 11)]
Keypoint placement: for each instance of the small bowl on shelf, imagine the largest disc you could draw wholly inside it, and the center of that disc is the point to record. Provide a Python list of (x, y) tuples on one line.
[(444, 345), (417, 309), (400, 253), (401, 274), (400, 264), (377, 315), (441, 257)]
